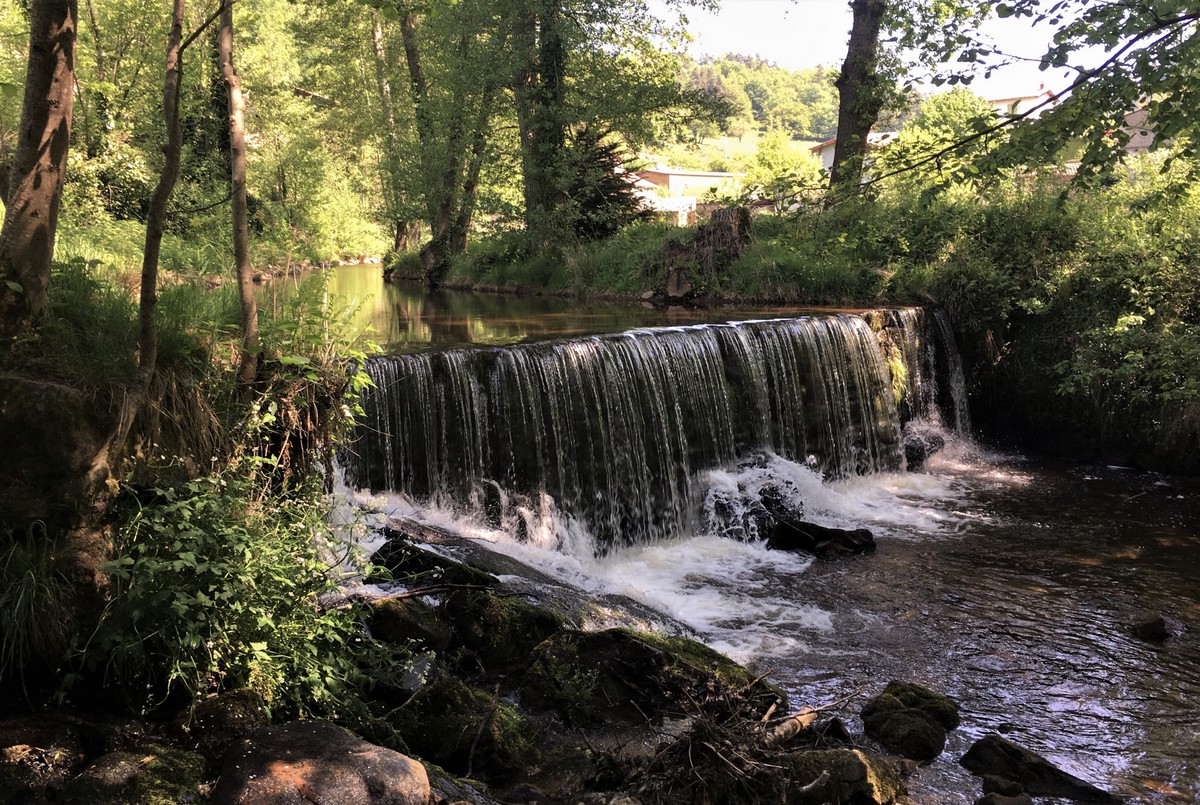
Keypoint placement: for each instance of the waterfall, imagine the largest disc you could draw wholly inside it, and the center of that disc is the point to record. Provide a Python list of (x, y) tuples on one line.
[(934, 391), (612, 431)]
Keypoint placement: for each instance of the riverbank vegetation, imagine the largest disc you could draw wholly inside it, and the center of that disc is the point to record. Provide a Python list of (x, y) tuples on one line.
[(167, 442)]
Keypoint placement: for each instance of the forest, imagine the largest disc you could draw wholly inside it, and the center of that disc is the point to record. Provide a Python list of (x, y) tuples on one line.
[(172, 429)]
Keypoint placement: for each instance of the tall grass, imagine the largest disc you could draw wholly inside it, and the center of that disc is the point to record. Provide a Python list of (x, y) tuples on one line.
[(34, 602)]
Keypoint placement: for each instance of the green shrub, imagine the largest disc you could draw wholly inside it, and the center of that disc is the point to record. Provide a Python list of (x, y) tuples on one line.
[(214, 588)]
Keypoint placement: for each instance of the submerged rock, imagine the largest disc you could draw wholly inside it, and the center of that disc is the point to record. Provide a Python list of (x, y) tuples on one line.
[(1002, 799), (822, 541), (994, 755), (1160, 628), (314, 761)]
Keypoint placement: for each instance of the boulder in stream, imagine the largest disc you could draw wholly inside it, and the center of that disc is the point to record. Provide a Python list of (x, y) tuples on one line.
[(999, 756), (1159, 628), (841, 775), (910, 720), (920, 443), (824, 542)]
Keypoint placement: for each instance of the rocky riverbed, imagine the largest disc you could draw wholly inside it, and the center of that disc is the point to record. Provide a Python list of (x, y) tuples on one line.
[(519, 699)]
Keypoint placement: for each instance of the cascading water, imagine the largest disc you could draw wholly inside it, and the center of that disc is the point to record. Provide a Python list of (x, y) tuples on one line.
[(612, 432), (1006, 582)]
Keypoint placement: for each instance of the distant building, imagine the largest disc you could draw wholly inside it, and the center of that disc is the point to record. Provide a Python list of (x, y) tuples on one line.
[(679, 181), (1014, 105), (876, 139), (1140, 131)]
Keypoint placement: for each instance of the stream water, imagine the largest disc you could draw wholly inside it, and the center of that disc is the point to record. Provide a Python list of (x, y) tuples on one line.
[(1006, 582)]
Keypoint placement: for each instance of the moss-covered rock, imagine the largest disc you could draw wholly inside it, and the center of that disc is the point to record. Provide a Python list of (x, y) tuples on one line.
[(466, 730), (408, 562), (500, 631), (628, 677), (910, 720), (938, 707), (221, 720), (152, 775), (404, 620), (853, 777)]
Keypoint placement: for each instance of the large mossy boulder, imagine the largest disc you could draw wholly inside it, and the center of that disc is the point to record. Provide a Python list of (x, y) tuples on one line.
[(627, 677), (467, 731), (219, 721), (910, 720), (406, 561), (500, 631), (850, 776), (402, 621), (149, 775)]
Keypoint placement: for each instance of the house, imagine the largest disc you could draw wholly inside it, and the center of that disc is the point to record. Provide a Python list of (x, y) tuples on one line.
[(678, 181), (1140, 131), (1015, 105), (876, 139)]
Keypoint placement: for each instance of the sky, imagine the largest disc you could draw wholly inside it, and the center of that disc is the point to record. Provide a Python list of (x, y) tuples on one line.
[(804, 33)]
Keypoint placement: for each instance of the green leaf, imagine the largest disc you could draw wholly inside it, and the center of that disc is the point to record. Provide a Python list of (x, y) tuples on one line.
[(15, 287)]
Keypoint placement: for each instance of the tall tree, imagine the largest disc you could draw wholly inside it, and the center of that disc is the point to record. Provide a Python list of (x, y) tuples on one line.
[(860, 95), (156, 222), (39, 164), (237, 185), (452, 106), (539, 91)]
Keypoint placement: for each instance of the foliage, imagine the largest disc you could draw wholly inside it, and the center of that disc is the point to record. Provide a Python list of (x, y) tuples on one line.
[(941, 119), (1130, 67), (782, 175), (756, 93), (603, 200), (34, 602), (215, 589)]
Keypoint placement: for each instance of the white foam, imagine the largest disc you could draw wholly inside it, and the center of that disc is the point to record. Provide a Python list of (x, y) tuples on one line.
[(739, 597)]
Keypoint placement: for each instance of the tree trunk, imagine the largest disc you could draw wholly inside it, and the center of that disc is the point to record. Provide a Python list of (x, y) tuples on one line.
[(156, 221), (39, 163), (393, 194), (539, 91), (237, 181), (859, 96), (466, 205)]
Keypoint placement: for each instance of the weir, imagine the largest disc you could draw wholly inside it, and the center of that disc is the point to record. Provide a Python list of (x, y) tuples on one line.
[(611, 432)]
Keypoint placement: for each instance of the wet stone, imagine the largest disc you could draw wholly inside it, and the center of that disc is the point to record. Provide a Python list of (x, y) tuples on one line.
[(1159, 628)]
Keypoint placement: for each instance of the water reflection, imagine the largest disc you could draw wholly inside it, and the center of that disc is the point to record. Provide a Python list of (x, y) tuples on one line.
[(407, 318)]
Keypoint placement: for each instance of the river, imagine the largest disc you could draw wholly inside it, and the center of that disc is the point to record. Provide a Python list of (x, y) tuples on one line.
[(1006, 581)]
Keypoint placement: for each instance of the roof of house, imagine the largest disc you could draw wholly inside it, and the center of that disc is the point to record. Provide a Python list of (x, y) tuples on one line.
[(875, 138)]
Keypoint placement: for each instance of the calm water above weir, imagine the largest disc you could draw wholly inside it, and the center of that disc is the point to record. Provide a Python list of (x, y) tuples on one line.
[(406, 318), (1008, 583)]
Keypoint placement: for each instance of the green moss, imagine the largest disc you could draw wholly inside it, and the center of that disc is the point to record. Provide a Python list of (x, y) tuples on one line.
[(499, 630), (941, 709), (152, 776), (466, 729), (910, 720)]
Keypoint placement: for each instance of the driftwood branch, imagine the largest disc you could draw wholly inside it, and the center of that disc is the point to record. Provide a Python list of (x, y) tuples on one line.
[(814, 785)]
